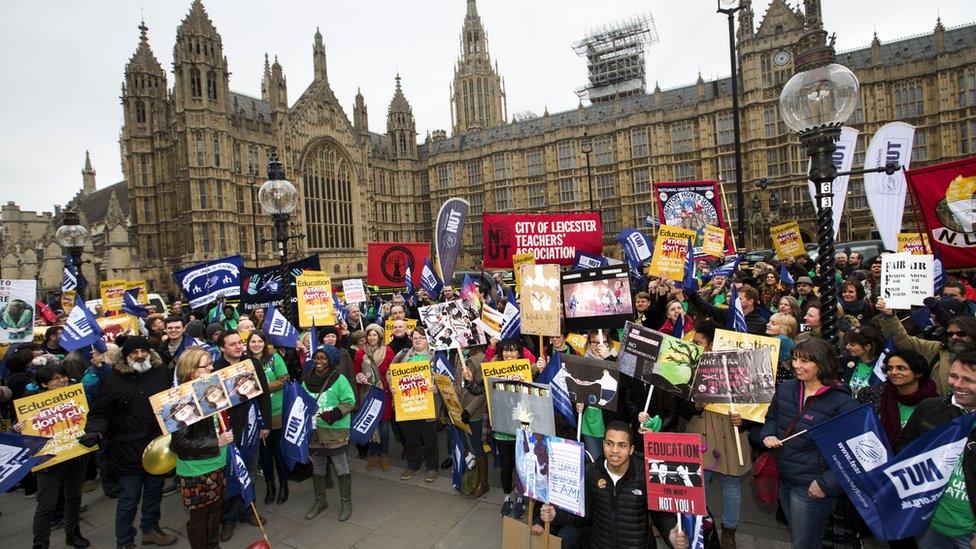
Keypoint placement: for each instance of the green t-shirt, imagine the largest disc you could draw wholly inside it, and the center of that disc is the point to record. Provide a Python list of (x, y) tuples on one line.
[(593, 422), (339, 392), (953, 517), (197, 467), (274, 369), (904, 413), (861, 377)]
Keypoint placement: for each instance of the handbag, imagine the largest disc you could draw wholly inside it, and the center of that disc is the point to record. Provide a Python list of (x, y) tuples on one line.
[(765, 472)]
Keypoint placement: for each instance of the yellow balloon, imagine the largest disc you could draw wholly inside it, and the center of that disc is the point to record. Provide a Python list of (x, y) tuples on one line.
[(158, 459)]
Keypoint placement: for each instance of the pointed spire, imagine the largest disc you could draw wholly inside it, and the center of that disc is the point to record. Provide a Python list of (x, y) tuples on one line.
[(938, 36), (938, 24), (318, 57), (87, 176), (143, 57), (197, 20), (399, 103), (472, 8), (88, 165)]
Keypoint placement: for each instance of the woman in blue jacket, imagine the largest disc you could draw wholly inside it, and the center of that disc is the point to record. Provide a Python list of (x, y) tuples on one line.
[(808, 490)]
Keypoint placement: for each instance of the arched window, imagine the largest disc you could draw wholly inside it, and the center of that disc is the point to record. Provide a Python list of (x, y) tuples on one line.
[(327, 182), (212, 85), (140, 112), (195, 90), (216, 150)]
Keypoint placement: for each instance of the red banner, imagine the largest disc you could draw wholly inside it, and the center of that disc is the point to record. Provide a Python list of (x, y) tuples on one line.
[(675, 479), (553, 238), (387, 262), (945, 194)]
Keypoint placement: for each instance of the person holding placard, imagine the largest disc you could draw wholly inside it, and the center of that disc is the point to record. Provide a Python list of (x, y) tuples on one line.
[(270, 455), (470, 388), (419, 435), (201, 457), (808, 490), (508, 349), (371, 365), (67, 475), (330, 438)]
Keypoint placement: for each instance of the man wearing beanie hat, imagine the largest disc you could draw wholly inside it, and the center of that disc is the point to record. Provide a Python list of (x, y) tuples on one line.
[(122, 420)]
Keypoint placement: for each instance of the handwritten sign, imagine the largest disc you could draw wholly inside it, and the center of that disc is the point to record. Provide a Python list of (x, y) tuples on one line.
[(550, 470), (59, 414), (675, 482), (671, 252), (354, 291), (540, 293), (314, 289), (413, 391), (787, 240)]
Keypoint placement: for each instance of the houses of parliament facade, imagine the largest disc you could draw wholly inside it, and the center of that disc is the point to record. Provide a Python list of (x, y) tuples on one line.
[(194, 152)]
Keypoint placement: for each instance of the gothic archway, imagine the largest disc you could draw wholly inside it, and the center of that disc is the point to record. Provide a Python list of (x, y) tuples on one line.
[(327, 181)]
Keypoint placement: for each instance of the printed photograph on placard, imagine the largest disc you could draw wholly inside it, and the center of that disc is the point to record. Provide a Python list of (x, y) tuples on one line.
[(450, 325), (17, 298), (240, 381), (176, 408), (211, 394), (596, 298)]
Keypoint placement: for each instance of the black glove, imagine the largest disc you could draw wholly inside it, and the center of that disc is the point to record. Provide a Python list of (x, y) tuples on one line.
[(332, 415), (90, 439), (465, 417)]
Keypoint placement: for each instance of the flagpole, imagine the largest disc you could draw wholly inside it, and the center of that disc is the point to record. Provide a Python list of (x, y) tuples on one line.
[(254, 509), (647, 402), (728, 222)]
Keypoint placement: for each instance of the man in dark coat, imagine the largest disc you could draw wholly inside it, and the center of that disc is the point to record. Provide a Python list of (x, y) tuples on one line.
[(232, 352), (123, 418), (748, 299)]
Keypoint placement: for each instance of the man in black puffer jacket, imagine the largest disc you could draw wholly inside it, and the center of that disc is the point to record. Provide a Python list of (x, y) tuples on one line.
[(123, 418), (616, 500)]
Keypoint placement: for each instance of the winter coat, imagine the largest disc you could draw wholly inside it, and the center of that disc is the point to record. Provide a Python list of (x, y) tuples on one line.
[(800, 462), (755, 323), (122, 414), (381, 382), (237, 415), (931, 350), (196, 441), (471, 395)]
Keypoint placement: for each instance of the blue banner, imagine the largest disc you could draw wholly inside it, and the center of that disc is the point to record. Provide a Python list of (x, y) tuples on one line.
[(131, 305), (512, 319), (429, 280), (784, 275), (458, 464), (693, 527), (238, 479), (81, 329), (555, 376), (448, 232), (20, 456), (298, 411), (637, 252), (252, 430), (690, 282), (726, 269), (369, 416), (736, 321), (263, 286), (209, 281), (897, 495), (588, 261), (280, 332), (442, 364)]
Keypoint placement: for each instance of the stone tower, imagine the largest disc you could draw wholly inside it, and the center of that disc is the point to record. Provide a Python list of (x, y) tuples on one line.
[(360, 115), (87, 177), (477, 92), (401, 129), (318, 57)]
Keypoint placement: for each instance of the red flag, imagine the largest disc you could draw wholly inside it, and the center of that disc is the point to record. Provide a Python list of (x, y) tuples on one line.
[(946, 198), (387, 262), (46, 313)]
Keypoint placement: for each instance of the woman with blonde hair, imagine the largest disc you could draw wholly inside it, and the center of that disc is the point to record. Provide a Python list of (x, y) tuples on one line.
[(789, 305), (782, 326)]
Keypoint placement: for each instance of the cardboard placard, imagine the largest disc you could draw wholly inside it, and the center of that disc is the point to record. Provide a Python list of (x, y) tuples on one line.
[(787, 240), (743, 376), (516, 403), (675, 480), (60, 414), (539, 292), (906, 279), (550, 470), (413, 391), (671, 252), (315, 305), (451, 401), (506, 369), (914, 243), (728, 340), (143, 290), (713, 243), (17, 310), (449, 325), (524, 258), (205, 396), (517, 535), (354, 291), (592, 381), (112, 294)]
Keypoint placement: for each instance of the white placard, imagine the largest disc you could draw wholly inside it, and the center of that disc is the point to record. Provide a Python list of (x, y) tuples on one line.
[(906, 279), (353, 291)]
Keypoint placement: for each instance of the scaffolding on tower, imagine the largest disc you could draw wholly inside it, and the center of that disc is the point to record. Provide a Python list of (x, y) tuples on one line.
[(615, 58)]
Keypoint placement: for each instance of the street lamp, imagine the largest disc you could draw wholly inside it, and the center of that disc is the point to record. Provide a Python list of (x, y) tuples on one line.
[(819, 98), (729, 7), (72, 236), (587, 147), (278, 198)]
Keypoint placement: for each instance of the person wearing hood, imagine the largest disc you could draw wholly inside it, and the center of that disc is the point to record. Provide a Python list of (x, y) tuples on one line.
[(808, 490), (330, 438), (123, 419)]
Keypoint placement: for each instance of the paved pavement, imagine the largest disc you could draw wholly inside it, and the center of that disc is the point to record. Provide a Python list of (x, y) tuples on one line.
[(387, 513)]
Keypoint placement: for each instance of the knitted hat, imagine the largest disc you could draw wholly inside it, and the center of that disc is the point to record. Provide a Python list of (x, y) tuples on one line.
[(133, 343), (195, 328), (330, 352), (326, 330), (375, 328)]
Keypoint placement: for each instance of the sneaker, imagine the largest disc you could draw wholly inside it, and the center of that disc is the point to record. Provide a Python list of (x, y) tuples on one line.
[(507, 508), (518, 510), (158, 537), (407, 474), (431, 476)]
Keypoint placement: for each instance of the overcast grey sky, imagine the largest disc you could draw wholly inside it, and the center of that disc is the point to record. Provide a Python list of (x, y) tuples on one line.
[(62, 61)]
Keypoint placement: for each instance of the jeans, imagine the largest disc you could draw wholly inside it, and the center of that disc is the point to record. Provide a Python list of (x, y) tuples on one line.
[(931, 539), (807, 517), (72, 473), (420, 439), (233, 510), (476, 447), (272, 459), (593, 445), (135, 487), (731, 497), (381, 448)]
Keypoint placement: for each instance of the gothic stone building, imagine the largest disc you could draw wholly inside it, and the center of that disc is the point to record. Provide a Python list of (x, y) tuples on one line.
[(194, 152)]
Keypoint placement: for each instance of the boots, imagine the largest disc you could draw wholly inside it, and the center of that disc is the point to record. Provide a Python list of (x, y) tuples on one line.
[(345, 497), (371, 463), (482, 488), (728, 538), (282, 492), (329, 484), (269, 496), (385, 463), (73, 538), (321, 504)]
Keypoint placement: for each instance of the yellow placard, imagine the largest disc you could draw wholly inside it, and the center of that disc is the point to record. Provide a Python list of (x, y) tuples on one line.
[(68, 301), (726, 340), (143, 290), (914, 243), (506, 369), (713, 243), (787, 240), (60, 414), (413, 391), (314, 291), (451, 401), (671, 252), (112, 293), (526, 258), (578, 343), (388, 329), (117, 325)]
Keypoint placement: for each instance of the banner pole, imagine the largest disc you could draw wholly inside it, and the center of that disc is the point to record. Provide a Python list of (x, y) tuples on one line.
[(794, 435), (547, 535), (735, 430), (528, 519), (647, 402), (579, 427)]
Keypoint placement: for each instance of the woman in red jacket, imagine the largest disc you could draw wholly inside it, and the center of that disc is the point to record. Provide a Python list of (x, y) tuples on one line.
[(370, 366)]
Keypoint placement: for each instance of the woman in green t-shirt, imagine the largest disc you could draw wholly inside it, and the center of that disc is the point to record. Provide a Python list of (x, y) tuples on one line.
[(863, 344), (907, 384), (330, 439), (201, 456), (270, 450)]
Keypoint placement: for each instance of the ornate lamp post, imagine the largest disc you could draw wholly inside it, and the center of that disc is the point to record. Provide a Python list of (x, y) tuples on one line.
[(729, 7), (72, 236), (278, 198), (819, 98)]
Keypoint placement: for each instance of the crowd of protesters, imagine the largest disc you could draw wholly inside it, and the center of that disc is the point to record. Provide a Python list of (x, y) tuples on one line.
[(931, 379)]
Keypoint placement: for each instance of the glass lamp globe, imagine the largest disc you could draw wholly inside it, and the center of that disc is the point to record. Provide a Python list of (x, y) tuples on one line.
[(71, 236), (822, 96), (278, 196)]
